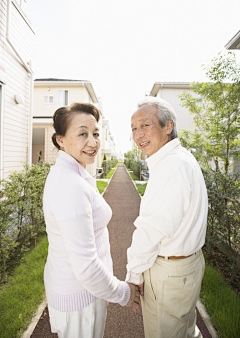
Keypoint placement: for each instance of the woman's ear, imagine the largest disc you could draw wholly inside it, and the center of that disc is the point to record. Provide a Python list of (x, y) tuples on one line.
[(60, 142)]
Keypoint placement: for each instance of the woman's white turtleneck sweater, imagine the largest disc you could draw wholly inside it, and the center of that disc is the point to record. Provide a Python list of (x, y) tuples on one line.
[(79, 264)]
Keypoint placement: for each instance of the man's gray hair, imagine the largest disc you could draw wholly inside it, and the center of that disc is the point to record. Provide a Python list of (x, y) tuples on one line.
[(165, 112)]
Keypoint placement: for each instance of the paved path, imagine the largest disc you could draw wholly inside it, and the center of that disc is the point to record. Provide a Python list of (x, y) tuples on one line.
[(124, 200)]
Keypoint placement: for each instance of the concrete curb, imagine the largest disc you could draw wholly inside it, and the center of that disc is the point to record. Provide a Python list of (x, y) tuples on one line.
[(132, 181), (109, 182), (35, 320), (205, 316)]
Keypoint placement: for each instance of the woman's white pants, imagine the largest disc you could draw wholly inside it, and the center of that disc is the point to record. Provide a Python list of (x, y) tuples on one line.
[(86, 323)]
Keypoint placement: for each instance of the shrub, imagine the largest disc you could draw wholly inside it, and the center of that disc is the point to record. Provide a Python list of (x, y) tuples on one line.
[(223, 228), (108, 165), (21, 219), (135, 166)]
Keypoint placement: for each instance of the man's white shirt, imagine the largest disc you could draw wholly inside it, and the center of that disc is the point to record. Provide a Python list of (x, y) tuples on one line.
[(173, 213)]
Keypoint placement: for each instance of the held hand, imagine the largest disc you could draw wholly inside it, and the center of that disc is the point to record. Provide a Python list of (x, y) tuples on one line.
[(141, 289), (134, 300)]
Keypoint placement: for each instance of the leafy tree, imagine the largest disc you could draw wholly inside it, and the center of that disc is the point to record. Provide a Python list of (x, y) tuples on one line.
[(216, 113), (215, 106), (133, 154)]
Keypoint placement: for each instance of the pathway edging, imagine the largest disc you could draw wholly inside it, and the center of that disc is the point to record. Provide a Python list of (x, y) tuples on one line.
[(35, 319), (206, 318), (109, 181)]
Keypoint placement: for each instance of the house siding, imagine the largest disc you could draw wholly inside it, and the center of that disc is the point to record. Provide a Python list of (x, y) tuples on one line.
[(41, 109), (15, 116)]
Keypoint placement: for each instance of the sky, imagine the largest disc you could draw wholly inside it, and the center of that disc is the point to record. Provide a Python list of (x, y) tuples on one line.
[(124, 47)]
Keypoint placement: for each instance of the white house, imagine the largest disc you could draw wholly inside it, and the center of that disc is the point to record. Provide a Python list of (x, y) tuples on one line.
[(16, 87), (108, 145)]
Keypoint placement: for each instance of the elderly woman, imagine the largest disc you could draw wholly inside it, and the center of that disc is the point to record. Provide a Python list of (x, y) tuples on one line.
[(78, 275)]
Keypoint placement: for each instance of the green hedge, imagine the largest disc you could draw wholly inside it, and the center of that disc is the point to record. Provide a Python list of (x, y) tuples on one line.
[(135, 166), (223, 228), (108, 165), (21, 218)]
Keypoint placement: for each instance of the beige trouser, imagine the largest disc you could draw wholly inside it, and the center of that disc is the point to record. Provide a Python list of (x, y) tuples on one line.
[(171, 290), (86, 323)]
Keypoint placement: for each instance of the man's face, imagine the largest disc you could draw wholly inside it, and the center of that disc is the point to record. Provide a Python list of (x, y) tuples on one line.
[(147, 132)]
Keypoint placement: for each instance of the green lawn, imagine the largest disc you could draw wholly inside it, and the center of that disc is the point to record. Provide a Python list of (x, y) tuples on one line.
[(20, 298), (101, 185), (110, 173), (141, 188), (134, 177), (222, 304)]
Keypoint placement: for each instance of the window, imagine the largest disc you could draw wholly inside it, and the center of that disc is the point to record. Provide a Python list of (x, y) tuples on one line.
[(63, 98), (48, 99)]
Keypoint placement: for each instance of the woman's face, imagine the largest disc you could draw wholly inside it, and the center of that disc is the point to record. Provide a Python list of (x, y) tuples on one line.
[(82, 139)]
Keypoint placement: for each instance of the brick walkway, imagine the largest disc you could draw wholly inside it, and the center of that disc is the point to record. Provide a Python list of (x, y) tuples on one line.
[(124, 200)]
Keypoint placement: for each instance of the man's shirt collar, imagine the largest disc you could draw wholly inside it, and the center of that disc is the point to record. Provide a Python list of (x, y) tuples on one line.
[(162, 152)]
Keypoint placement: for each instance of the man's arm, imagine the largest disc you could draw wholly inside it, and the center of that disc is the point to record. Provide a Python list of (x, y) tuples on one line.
[(161, 213)]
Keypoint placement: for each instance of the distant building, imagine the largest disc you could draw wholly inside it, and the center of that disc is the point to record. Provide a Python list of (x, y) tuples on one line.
[(170, 91), (16, 87), (108, 145), (50, 94)]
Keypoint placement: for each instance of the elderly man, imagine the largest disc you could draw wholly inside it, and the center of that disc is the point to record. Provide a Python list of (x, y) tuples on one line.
[(165, 252)]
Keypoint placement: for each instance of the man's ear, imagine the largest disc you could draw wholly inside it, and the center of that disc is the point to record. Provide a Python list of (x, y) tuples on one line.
[(59, 140), (169, 127)]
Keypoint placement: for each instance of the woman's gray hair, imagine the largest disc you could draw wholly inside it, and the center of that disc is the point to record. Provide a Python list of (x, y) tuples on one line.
[(165, 112)]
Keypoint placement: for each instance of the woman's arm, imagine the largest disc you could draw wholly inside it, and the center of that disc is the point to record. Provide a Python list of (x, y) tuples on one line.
[(72, 209)]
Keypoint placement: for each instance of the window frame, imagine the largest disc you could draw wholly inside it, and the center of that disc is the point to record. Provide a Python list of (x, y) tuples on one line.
[(64, 97), (48, 99)]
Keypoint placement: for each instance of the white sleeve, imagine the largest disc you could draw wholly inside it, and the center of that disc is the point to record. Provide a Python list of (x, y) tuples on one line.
[(160, 215), (79, 240)]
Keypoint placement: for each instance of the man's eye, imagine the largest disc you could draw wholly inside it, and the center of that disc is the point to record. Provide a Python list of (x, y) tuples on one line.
[(96, 134), (134, 129), (83, 134), (145, 125)]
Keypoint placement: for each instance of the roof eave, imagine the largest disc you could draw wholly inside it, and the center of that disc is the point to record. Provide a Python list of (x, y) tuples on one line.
[(234, 43), (58, 83), (88, 85), (158, 85), (91, 92)]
